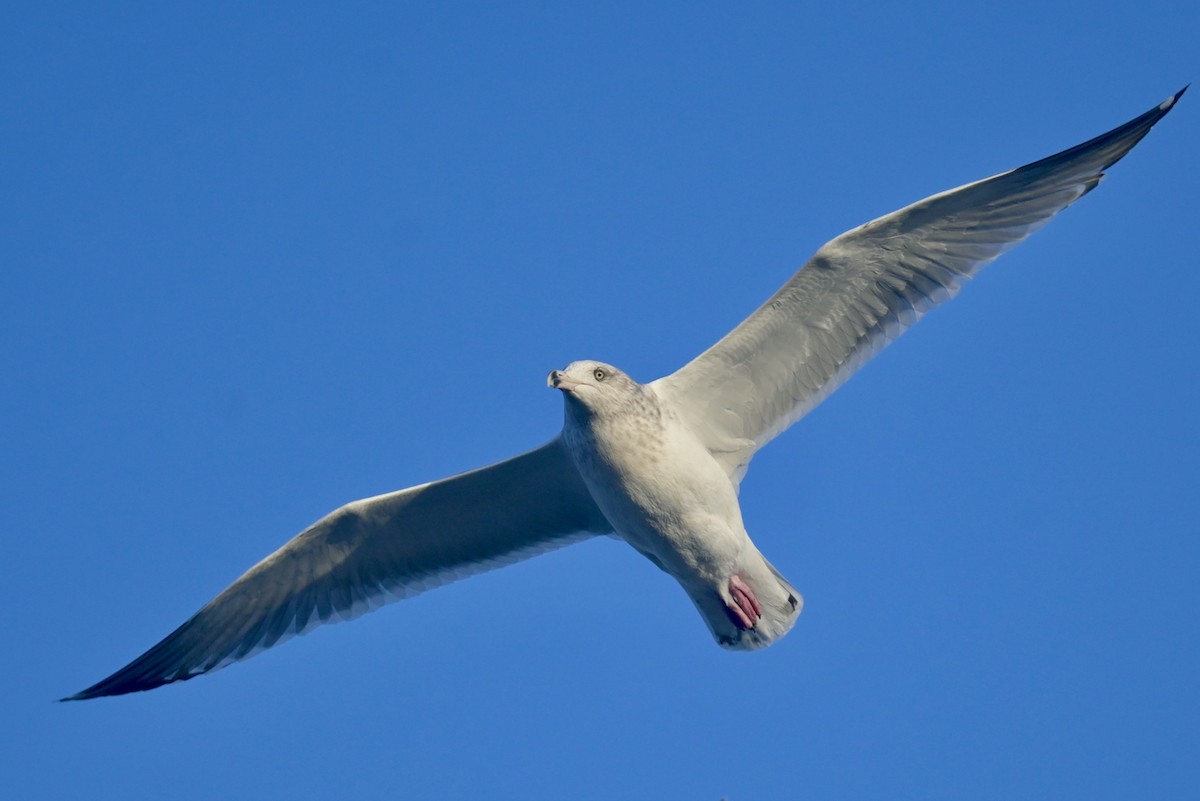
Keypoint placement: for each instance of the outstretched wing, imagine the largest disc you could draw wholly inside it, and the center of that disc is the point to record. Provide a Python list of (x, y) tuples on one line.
[(374, 551), (864, 288)]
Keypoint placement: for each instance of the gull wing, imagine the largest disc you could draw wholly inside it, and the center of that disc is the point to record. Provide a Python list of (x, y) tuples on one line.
[(864, 288), (374, 551)]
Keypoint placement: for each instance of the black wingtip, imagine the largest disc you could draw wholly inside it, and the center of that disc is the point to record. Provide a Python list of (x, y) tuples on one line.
[(1173, 99), (120, 684), (82, 695)]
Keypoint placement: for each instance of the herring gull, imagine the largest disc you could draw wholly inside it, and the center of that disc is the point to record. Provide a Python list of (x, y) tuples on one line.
[(659, 464)]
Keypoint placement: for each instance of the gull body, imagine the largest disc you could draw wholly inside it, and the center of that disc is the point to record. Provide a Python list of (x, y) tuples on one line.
[(659, 464), (665, 495)]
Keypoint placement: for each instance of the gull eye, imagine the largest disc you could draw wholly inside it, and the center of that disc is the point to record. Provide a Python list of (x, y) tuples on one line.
[(600, 374)]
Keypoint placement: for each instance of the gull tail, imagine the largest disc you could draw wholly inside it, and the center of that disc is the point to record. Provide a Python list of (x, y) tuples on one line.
[(777, 605)]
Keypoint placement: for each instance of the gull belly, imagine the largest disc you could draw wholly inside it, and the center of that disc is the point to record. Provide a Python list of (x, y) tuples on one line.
[(660, 489)]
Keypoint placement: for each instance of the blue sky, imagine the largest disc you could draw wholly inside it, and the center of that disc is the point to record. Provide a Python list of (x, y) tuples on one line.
[(258, 261)]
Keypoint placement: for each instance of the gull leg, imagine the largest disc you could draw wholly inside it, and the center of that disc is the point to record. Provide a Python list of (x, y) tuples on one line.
[(745, 609)]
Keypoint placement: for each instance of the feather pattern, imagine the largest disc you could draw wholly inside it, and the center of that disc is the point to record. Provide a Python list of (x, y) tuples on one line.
[(374, 551), (864, 288)]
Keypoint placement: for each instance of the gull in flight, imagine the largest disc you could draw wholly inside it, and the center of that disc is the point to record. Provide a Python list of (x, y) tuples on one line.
[(657, 465)]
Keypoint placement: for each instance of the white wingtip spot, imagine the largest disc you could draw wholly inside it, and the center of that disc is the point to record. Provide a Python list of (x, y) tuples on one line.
[(1173, 99)]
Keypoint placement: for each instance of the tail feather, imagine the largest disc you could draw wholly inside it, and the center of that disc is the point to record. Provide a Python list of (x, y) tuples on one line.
[(781, 605)]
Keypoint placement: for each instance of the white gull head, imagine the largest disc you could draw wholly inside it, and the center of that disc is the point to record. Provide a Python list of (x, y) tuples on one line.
[(595, 387)]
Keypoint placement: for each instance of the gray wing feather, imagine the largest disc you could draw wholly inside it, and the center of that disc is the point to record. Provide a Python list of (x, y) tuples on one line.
[(374, 551), (864, 288)]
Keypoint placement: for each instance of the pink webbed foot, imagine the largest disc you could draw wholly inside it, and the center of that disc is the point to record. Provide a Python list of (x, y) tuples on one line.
[(745, 609)]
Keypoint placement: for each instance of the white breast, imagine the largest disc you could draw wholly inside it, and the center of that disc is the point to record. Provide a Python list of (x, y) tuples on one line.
[(661, 489)]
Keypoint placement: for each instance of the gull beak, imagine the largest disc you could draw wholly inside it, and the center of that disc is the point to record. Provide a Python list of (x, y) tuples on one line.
[(558, 380)]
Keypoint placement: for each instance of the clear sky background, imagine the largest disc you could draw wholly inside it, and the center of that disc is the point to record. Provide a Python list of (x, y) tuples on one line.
[(261, 260)]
